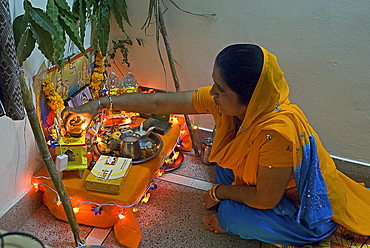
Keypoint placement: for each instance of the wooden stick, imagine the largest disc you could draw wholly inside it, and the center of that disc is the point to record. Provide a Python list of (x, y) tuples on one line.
[(49, 163), (174, 74)]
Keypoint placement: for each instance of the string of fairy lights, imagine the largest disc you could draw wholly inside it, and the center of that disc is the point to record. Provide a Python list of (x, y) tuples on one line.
[(98, 207)]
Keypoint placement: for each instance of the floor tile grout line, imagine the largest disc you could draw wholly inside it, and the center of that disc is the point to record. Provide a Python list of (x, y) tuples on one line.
[(186, 181), (172, 178), (97, 235)]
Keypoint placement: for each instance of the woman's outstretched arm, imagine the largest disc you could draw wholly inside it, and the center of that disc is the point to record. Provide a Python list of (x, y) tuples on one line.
[(148, 103)]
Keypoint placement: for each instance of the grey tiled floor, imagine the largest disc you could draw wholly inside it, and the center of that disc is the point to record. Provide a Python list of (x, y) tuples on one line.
[(171, 218)]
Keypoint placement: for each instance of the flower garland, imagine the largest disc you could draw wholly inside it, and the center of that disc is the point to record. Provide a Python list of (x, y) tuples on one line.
[(120, 91), (97, 77), (55, 101)]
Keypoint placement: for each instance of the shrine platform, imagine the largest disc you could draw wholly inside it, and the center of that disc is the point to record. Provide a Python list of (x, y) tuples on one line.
[(171, 218)]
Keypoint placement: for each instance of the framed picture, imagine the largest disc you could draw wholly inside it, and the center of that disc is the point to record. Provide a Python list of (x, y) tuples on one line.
[(83, 95)]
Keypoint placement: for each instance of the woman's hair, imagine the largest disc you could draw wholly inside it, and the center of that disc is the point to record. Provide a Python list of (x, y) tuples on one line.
[(240, 65)]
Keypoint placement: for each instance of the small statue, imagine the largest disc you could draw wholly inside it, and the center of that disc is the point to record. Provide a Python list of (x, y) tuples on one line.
[(112, 81), (129, 83)]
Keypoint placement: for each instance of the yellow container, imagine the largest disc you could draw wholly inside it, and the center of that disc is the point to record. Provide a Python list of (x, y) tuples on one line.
[(76, 150), (108, 175)]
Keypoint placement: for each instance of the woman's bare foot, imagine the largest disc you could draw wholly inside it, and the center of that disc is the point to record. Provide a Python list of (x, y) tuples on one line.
[(211, 223)]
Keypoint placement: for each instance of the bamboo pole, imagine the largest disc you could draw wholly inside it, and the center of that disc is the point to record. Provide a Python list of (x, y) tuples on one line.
[(49, 163), (162, 28)]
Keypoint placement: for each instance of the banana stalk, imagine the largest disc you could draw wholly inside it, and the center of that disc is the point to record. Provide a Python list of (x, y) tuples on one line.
[(163, 31), (49, 163)]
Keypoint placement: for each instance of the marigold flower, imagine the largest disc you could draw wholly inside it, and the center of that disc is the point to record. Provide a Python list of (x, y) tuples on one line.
[(99, 63), (99, 69), (55, 101), (121, 91), (97, 76)]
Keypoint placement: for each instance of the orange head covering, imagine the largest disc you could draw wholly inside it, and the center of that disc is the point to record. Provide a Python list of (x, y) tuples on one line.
[(268, 109)]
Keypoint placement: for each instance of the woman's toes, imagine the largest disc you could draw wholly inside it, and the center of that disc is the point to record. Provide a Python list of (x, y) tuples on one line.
[(211, 223), (207, 222)]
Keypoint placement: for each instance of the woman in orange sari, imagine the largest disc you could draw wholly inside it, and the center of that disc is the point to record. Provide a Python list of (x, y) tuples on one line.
[(275, 181)]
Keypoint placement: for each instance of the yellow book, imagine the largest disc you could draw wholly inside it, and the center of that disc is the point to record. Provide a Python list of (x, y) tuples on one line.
[(108, 175)]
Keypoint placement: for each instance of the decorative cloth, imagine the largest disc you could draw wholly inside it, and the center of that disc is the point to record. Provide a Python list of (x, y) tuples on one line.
[(325, 193), (11, 103), (127, 230)]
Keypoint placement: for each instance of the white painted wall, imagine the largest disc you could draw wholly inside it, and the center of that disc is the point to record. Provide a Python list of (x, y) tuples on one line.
[(322, 47), (18, 149)]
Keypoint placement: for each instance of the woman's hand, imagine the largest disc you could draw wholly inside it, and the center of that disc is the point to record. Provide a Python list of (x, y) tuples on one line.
[(87, 110), (208, 202)]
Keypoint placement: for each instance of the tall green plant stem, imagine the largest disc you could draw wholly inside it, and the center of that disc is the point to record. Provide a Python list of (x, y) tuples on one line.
[(49, 163), (166, 40)]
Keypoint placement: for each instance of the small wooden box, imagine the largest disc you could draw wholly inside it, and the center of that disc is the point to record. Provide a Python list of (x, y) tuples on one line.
[(108, 175), (161, 127)]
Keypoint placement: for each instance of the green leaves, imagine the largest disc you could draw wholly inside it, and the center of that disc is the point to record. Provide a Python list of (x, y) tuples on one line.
[(52, 11), (20, 24), (65, 10), (102, 15), (72, 32), (44, 41), (23, 37), (119, 9), (50, 28), (40, 17), (121, 46), (81, 8), (103, 26), (25, 46), (36, 25)]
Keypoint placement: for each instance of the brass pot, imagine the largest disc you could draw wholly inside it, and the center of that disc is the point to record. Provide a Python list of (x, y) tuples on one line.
[(130, 146)]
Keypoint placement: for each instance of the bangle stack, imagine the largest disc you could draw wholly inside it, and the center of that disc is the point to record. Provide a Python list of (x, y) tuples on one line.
[(110, 103), (212, 192)]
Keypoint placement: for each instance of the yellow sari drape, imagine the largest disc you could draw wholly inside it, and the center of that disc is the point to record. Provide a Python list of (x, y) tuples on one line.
[(270, 109)]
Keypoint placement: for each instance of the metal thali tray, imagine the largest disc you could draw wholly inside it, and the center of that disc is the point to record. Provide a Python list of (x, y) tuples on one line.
[(152, 137)]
